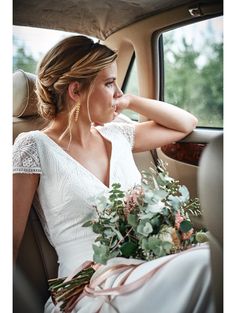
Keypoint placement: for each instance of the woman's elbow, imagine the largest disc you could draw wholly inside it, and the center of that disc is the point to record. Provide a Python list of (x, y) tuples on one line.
[(191, 125), (194, 122)]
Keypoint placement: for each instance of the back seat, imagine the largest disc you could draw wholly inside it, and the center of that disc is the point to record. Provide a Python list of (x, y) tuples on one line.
[(37, 259)]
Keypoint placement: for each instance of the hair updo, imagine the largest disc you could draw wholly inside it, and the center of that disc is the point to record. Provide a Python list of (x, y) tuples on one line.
[(75, 58)]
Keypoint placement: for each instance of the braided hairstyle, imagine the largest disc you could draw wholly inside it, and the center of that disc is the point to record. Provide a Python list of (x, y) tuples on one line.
[(75, 58)]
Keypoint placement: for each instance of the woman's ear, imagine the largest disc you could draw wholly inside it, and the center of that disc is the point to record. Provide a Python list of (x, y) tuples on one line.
[(74, 91)]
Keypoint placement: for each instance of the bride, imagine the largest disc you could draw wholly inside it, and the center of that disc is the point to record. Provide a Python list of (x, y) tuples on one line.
[(82, 153)]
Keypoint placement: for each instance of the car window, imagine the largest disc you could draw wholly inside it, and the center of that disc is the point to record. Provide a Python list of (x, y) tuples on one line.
[(193, 70), (30, 44)]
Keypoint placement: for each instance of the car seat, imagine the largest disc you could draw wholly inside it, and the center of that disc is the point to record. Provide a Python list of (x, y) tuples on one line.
[(210, 186), (37, 259)]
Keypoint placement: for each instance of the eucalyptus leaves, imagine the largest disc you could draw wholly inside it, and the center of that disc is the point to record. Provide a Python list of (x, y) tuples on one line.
[(149, 221)]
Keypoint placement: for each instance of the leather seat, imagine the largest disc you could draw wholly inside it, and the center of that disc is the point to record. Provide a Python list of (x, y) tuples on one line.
[(37, 259), (25, 115), (210, 186)]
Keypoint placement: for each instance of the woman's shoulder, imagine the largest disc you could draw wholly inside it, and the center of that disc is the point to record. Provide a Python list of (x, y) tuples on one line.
[(30, 135), (121, 123), (25, 153), (33, 137), (120, 129), (29, 141)]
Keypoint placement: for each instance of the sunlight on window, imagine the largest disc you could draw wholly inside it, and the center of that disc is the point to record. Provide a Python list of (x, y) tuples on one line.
[(30, 44), (193, 68)]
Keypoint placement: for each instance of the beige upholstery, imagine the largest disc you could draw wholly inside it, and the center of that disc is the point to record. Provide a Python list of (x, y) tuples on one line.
[(25, 116), (93, 17), (210, 185), (37, 259)]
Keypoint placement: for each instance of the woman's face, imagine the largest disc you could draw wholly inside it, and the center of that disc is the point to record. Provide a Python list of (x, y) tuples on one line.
[(103, 98)]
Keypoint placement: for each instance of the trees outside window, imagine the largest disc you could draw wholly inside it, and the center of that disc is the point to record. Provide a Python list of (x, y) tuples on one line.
[(193, 70)]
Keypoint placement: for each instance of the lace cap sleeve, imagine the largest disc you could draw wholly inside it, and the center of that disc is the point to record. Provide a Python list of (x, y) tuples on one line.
[(25, 155), (128, 130)]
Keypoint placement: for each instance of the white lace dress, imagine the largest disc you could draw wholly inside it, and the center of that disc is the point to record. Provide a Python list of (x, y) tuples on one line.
[(65, 192)]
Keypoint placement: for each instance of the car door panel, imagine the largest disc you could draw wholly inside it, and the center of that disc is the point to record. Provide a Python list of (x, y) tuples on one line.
[(181, 158)]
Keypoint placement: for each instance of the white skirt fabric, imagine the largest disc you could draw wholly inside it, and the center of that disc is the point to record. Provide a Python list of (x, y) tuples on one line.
[(181, 285)]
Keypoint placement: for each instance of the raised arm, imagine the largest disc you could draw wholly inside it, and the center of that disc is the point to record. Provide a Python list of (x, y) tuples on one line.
[(167, 123), (24, 187)]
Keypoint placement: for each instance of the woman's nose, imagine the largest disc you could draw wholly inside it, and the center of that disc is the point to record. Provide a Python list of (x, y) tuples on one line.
[(118, 92)]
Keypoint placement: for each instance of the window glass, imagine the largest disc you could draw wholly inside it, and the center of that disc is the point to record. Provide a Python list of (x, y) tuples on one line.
[(193, 70), (131, 87), (30, 44)]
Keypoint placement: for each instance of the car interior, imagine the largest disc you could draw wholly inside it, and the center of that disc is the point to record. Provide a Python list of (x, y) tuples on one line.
[(135, 29)]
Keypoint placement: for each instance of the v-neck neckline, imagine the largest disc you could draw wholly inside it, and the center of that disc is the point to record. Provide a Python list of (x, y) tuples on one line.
[(99, 130)]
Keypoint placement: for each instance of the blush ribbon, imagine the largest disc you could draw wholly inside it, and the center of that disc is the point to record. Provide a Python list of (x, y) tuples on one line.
[(97, 285)]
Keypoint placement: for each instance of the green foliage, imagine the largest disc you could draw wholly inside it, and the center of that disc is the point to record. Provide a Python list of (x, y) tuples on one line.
[(191, 85), (128, 249), (185, 226), (148, 221), (193, 77), (22, 59)]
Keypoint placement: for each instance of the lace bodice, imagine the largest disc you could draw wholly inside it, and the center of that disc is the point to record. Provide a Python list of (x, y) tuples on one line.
[(66, 189)]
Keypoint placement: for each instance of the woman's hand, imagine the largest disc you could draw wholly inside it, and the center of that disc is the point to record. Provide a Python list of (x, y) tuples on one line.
[(122, 102)]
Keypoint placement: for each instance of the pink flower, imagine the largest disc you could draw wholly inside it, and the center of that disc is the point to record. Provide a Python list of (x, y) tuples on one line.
[(186, 236), (133, 199), (178, 220)]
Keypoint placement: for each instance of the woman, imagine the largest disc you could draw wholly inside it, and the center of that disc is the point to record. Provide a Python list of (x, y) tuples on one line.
[(80, 154)]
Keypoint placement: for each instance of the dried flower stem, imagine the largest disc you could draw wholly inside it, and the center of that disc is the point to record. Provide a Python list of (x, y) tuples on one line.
[(122, 240)]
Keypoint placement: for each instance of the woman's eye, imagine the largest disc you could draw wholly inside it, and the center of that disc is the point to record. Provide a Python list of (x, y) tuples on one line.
[(109, 84)]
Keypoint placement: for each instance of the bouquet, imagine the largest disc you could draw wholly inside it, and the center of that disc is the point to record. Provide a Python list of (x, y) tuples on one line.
[(148, 221)]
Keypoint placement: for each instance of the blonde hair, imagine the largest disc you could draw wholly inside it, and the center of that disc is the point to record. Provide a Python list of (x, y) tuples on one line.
[(75, 58)]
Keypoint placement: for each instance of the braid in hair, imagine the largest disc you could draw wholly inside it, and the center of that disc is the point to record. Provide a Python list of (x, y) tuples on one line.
[(75, 58)]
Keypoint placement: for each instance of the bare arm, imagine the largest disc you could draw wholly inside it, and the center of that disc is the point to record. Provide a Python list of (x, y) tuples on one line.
[(167, 124), (24, 187)]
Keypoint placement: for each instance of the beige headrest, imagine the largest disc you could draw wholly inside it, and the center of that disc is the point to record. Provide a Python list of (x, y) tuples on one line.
[(24, 96)]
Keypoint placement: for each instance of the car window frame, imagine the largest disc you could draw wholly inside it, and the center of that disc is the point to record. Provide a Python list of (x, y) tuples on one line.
[(158, 55)]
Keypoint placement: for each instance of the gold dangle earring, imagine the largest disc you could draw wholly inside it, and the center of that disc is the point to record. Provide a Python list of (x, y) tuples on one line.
[(77, 109)]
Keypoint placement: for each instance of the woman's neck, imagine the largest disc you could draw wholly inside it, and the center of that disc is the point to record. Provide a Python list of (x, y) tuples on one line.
[(79, 133)]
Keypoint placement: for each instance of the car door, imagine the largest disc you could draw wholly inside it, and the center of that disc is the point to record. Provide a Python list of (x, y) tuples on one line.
[(191, 60), (176, 57)]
